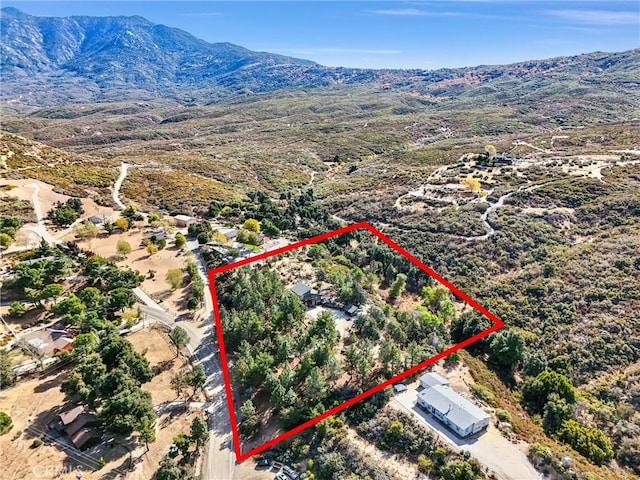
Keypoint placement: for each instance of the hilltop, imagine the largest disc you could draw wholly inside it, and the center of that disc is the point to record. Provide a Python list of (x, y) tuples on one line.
[(50, 61)]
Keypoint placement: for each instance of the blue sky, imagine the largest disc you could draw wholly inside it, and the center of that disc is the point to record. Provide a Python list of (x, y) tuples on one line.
[(389, 34)]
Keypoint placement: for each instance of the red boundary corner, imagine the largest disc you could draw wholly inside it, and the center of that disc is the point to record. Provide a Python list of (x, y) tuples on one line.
[(240, 457)]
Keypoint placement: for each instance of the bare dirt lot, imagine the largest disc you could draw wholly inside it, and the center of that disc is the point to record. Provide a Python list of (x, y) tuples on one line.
[(139, 259)]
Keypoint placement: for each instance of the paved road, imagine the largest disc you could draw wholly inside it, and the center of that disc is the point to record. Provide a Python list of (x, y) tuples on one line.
[(219, 458)]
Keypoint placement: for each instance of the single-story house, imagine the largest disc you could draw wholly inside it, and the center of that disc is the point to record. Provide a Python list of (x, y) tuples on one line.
[(229, 233), (78, 426), (159, 234), (453, 410), (183, 220), (98, 218), (306, 293)]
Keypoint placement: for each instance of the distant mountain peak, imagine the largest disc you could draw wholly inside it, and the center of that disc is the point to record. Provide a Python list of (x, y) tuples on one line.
[(54, 60)]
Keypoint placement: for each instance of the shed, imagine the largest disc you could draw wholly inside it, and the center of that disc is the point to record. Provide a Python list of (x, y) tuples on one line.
[(454, 411), (230, 233), (431, 379), (62, 343), (183, 220)]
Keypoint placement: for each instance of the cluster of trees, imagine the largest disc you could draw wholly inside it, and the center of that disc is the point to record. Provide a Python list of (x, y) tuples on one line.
[(66, 213), (36, 280), (195, 379), (202, 231), (290, 213), (108, 375), (263, 321), (197, 287), (9, 227)]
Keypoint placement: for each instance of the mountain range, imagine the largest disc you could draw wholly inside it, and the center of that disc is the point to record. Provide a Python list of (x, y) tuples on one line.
[(49, 61)]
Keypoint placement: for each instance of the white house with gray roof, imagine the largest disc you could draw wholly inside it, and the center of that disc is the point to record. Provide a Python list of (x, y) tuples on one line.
[(455, 411)]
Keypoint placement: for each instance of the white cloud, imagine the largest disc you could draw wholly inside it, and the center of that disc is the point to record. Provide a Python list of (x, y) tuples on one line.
[(596, 17)]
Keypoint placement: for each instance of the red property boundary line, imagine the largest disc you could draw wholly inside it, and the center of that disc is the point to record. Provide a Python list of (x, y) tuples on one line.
[(240, 457)]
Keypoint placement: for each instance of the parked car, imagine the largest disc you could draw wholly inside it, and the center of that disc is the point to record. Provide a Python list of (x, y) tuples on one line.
[(264, 462), (399, 387)]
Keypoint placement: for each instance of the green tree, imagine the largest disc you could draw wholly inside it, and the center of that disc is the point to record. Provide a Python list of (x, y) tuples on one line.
[(123, 248), (174, 277), (315, 386), (269, 228), (168, 470), (251, 225), (119, 299), (178, 382), (152, 217), (5, 240), (52, 291), (5, 423), (590, 442), (199, 431), (71, 305), (92, 298), (147, 430), (397, 287), (506, 349), (458, 470), (324, 328), (17, 309), (180, 240), (535, 393), (197, 378), (7, 375), (249, 421), (391, 357), (121, 411), (333, 368), (183, 443), (180, 338), (556, 412)]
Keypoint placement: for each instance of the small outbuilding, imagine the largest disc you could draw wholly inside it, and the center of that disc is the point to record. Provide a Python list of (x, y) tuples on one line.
[(183, 220), (431, 379)]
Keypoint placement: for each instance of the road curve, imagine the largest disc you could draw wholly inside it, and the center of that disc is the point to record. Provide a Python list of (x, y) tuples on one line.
[(124, 167)]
